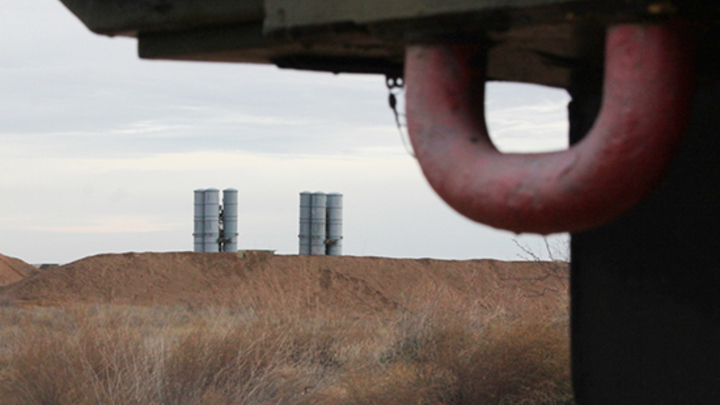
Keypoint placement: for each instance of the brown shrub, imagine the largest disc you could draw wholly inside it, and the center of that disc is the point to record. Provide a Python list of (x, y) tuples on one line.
[(289, 344)]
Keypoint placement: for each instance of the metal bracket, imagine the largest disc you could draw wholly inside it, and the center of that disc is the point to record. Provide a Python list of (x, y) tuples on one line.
[(649, 82)]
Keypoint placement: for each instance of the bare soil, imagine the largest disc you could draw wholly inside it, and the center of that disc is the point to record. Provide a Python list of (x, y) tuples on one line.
[(186, 278), (221, 328), (13, 270)]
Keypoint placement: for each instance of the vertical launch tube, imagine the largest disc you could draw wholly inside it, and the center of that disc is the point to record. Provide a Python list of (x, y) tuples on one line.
[(230, 220), (318, 224), (305, 214), (334, 224), (199, 219), (211, 221)]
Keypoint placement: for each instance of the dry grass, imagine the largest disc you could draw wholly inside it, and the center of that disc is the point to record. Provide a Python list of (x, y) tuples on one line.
[(433, 349)]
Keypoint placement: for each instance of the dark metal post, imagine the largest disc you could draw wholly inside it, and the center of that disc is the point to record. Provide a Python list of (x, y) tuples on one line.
[(646, 287)]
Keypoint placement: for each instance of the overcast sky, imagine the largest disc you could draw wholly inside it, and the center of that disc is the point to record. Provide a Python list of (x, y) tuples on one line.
[(101, 151)]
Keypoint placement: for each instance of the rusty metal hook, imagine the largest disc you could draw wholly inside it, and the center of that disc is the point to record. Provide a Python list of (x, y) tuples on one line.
[(649, 82)]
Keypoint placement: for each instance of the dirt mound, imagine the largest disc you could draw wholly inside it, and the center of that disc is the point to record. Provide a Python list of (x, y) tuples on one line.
[(284, 281), (13, 270)]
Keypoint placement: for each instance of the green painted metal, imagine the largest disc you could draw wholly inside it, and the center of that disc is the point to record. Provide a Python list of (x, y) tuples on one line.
[(535, 41), (129, 17), (287, 14)]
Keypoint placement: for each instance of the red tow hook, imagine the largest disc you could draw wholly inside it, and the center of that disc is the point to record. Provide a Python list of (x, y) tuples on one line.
[(649, 83)]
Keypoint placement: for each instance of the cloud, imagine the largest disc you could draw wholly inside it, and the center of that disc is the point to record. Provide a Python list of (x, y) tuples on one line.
[(100, 151), (527, 118), (110, 224)]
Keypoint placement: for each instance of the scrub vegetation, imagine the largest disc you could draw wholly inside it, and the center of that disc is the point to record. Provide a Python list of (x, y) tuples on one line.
[(433, 347)]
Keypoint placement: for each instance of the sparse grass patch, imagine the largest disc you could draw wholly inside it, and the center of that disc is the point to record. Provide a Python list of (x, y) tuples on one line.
[(433, 349), (7, 301)]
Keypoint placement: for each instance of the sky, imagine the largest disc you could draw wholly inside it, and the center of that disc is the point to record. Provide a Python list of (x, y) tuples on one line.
[(100, 151)]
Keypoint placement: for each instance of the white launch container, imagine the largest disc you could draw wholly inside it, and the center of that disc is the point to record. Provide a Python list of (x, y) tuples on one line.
[(199, 219), (318, 224), (211, 222), (305, 214), (230, 220), (334, 224)]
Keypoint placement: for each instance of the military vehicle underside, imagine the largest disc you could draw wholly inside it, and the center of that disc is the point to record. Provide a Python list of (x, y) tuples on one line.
[(645, 283)]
